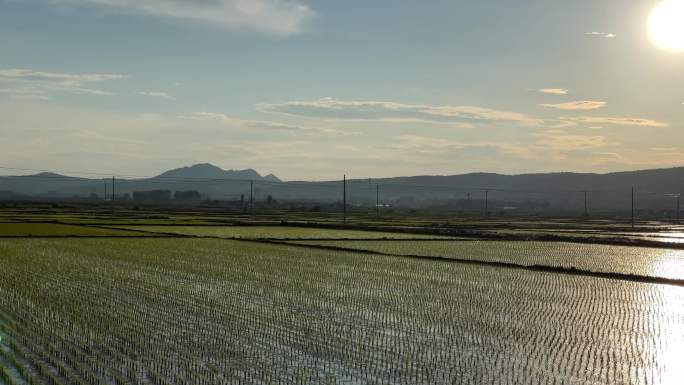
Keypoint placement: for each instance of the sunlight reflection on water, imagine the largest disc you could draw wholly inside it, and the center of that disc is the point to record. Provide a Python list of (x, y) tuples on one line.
[(669, 264), (669, 365), (673, 237)]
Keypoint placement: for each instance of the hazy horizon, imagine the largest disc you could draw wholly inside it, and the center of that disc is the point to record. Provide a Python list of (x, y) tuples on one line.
[(310, 90), (22, 172)]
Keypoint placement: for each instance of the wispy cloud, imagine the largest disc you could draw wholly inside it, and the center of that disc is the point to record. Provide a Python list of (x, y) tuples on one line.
[(263, 125), (564, 142), (42, 132), (606, 35), (426, 149), (592, 120), (560, 124), (30, 84), (579, 105), (334, 109), (157, 94), (664, 149), (24, 94), (276, 17), (410, 141), (27, 74), (553, 91), (222, 118)]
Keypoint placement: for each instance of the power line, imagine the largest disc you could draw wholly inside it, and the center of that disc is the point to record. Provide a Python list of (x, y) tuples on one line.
[(632, 208), (344, 200)]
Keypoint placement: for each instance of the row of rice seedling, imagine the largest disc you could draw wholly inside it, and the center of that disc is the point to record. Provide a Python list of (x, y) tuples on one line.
[(654, 262), (205, 311), (672, 237), (277, 232)]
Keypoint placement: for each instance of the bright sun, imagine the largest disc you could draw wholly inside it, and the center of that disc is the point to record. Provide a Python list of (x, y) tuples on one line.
[(666, 25)]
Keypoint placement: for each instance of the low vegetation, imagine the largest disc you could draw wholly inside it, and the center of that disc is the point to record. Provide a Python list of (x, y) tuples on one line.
[(642, 261), (276, 232), (60, 230), (211, 311)]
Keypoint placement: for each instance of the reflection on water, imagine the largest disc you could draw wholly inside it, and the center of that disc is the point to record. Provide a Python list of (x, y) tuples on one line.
[(671, 237), (665, 237), (670, 240), (668, 264), (668, 234), (669, 349)]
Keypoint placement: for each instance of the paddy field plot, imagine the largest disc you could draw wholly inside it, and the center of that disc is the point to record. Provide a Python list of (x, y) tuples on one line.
[(673, 237), (666, 236), (642, 261), (276, 232), (60, 230), (212, 311)]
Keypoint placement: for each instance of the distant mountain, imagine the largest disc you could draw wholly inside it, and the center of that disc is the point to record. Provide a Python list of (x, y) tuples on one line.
[(550, 192), (272, 178), (48, 175), (41, 184), (209, 171), (206, 178)]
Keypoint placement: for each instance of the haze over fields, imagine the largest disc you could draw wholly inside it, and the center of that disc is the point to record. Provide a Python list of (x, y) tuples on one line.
[(547, 192)]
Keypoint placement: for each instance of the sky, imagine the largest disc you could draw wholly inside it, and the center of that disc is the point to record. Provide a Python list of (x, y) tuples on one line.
[(313, 89)]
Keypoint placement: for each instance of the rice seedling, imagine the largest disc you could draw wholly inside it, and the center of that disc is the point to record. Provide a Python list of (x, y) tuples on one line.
[(208, 311), (59, 230), (277, 232), (644, 261)]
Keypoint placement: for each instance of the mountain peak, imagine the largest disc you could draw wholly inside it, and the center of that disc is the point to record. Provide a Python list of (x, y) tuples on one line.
[(204, 166), (46, 175), (272, 178), (210, 171)]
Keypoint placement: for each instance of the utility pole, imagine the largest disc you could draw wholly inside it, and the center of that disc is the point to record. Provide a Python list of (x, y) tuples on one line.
[(632, 208), (377, 200), (251, 198), (344, 198), (677, 209)]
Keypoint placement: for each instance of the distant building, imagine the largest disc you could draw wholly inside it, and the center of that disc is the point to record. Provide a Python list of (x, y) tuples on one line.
[(153, 196), (9, 195), (187, 196)]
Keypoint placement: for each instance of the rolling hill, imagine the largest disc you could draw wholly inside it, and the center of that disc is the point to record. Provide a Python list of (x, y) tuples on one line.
[(556, 191)]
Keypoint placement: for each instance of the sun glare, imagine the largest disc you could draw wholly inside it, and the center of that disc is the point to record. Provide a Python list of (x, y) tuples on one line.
[(666, 25)]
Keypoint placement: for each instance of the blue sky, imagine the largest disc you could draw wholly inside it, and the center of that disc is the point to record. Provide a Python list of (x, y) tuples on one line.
[(314, 89)]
